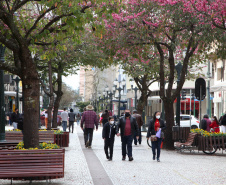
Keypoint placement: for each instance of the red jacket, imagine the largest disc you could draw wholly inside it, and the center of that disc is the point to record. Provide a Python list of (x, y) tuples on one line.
[(215, 126)]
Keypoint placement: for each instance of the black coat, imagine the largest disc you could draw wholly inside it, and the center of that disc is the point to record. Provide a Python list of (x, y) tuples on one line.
[(122, 123), (106, 131), (151, 127), (15, 117), (223, 120)]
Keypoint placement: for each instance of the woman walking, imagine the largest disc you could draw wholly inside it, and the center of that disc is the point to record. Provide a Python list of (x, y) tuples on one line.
[(156, 125)]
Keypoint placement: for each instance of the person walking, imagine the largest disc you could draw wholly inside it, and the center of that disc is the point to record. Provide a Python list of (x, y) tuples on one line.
[(223, 123), (139, 123), (46, 118), (205, 123), (64, 116), (105, 117), (108, 134), (15, 118), (89, 118), (128, 127), (214, 126), (71, 116), (156, 125), (78, 116)]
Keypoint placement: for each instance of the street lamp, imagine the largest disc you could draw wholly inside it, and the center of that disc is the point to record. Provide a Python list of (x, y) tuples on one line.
[(17, 80), (132, 82), (109, 95), (2, 97), (119, 90)]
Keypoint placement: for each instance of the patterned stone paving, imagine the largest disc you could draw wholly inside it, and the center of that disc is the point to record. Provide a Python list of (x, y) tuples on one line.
[(174, 168)]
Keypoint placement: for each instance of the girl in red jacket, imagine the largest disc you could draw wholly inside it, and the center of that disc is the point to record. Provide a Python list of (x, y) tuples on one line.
[(214, 125)]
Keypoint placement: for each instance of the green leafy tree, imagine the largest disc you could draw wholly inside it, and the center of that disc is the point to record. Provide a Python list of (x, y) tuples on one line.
[(28, 23), (82, 105)]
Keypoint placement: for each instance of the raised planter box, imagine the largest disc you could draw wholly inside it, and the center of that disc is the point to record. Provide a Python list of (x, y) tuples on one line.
[(216, 142), (62, 139), (32, 164)]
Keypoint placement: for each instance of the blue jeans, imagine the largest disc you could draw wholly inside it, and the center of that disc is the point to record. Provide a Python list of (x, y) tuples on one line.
[(64, 125), (156, 145), (127, 144), (135, 137)]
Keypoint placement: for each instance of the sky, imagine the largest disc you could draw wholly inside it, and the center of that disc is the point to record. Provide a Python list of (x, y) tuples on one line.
[(72, 81)]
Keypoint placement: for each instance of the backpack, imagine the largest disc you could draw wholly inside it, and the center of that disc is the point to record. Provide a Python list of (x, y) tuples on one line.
[(203, 124)]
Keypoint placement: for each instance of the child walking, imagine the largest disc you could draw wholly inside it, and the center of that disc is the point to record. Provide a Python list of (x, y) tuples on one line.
[(108, 135)]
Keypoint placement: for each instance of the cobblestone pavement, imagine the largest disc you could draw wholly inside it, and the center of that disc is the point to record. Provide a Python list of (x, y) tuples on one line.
[(174, 168)]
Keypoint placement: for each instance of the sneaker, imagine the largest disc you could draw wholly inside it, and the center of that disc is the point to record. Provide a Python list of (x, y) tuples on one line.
[(123, 158), (107, 156), (87, 144), (158, 160), (153, 157), (130, 158), (110, 159)]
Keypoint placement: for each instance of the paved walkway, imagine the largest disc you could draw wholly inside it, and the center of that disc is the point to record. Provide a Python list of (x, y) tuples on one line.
[(90, 166)]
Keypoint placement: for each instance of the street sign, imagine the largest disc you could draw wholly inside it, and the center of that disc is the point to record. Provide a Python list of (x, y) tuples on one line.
[(200, 89)]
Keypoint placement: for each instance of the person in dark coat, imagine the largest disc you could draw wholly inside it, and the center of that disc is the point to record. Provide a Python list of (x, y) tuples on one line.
[(105, 117), (155, 125), (128, 127), (108, 134), (15, 118), (140, 123)]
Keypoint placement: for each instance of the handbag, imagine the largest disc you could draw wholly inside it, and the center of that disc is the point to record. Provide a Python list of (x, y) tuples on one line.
[(153, 138)]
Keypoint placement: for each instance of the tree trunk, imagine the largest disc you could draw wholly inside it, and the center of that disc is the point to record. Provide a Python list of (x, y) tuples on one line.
[(142, 102), (51, 102), (55, 111), (31, 94), (59, 94), (169, 116)]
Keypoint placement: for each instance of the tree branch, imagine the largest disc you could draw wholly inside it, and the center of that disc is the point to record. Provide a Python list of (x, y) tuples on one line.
[(37, 20)]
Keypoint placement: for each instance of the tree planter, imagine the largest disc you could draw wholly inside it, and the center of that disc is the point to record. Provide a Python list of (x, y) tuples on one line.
[(32, 164), (62, 139)]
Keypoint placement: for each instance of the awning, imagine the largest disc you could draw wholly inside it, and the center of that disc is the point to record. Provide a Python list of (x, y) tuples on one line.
[(12, 93), (154, 98), (121, 101), (221, 86)]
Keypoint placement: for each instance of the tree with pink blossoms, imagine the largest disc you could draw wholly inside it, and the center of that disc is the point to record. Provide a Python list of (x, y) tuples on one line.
[(161, 28)]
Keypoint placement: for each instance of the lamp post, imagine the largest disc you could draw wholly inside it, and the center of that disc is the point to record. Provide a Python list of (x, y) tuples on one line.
[(119, 90), (135, 90), (178, 68), (17, 80), (109, 95), (2, 97)]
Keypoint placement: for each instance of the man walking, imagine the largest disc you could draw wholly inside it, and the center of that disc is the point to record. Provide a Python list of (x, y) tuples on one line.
[(139, 123), (89, 117), (64, 116), (71, 116), (128, 127), (15, 118)]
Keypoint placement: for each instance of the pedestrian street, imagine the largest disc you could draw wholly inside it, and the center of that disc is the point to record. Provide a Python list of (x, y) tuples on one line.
[(90, 166)]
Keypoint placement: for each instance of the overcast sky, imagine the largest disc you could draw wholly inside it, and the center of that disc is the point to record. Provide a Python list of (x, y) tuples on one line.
[(72, 81)]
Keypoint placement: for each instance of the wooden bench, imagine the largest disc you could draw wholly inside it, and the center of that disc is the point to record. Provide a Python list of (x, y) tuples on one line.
[(32, 164), (44, 136), (188, 144)]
